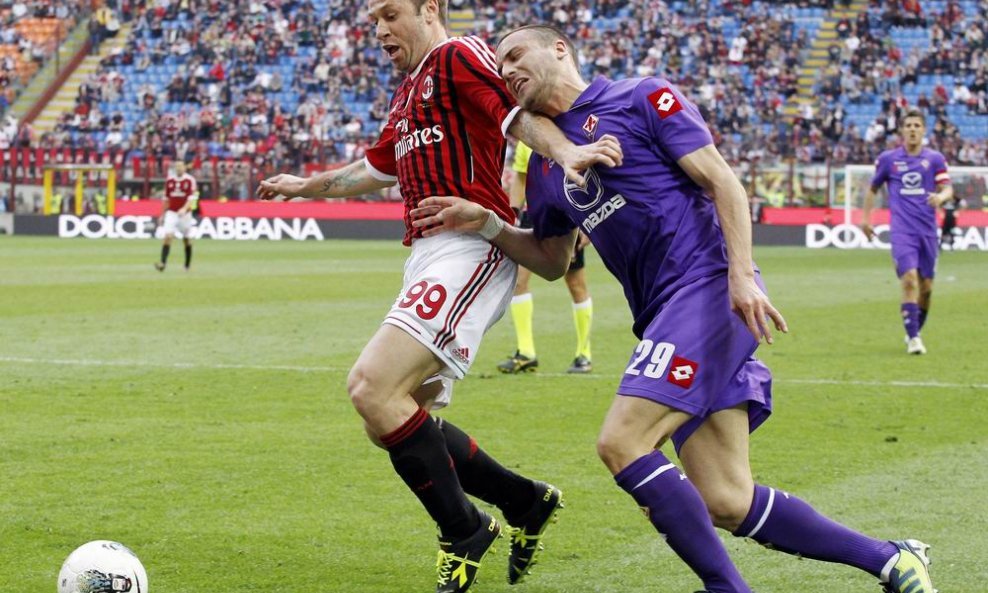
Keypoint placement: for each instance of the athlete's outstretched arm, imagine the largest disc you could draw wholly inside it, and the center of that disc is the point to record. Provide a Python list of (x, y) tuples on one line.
[(548, 257), (545, 138), (944, 193), (352, 180), (708, 169), (866, 207)]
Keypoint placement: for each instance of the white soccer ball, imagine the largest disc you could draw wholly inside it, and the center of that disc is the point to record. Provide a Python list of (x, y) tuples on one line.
[(102, 566)]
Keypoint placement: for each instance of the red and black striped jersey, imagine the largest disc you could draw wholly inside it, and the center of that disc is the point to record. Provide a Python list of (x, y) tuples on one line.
[(178, 190), (445, 135)]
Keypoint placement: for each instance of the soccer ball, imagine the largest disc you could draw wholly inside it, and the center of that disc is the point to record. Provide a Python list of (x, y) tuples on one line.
[(102, 567)]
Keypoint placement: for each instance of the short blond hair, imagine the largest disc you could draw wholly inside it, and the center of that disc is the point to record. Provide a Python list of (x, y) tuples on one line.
[(549, 35), (443, 9)]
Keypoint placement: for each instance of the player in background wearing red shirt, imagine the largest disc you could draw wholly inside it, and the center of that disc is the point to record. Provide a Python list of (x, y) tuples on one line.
[(445, 134), (181, 197)]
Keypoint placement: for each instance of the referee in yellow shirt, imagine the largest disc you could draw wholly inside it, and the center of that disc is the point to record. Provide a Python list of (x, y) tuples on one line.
[(522, 304)]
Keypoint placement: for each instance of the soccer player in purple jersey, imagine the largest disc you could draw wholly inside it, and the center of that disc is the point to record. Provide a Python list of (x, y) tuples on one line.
[(918, 183), (672, 224)]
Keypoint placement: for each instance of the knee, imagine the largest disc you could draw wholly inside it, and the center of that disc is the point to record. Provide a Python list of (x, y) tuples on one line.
[(614, 451), (360, 387), (727, 509)]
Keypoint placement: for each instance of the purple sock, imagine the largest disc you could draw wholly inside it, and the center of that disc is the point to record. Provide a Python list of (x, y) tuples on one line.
[(675, 508), (788, 524), (910, 318), (922, 318)]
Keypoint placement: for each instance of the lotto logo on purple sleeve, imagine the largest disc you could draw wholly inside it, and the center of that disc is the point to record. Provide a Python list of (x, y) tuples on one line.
[(682, 371), (664, 102)]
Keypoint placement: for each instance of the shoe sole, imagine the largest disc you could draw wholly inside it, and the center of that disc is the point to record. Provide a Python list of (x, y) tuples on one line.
[(552, 518), (524, 369)]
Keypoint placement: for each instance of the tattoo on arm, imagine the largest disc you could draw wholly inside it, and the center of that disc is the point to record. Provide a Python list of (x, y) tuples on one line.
[(343, 181)]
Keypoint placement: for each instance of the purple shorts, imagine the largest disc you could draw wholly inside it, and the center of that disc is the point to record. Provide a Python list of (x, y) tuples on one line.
[(696, 356), (915, 252)]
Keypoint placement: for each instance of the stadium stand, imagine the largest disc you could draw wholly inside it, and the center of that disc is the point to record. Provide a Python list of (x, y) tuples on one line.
[(285, 85), (902, 54), (29, 35)]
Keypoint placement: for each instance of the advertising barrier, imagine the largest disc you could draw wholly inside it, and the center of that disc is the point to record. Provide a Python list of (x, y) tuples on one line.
[(317, 221)]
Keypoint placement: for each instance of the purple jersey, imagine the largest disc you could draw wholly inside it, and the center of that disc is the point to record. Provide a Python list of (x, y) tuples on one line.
[(654, 228), (910, 180)]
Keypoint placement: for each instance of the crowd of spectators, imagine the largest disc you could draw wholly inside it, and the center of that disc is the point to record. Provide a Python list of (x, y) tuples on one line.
[(228, 96), (739, 60), (17, 47), (867, 67)]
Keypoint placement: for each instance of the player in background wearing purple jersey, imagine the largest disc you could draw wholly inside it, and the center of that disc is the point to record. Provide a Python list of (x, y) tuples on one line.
[(672, 224), (918, 183), (446, 129)]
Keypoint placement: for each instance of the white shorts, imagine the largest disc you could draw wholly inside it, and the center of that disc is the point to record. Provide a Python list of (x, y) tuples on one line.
[(175, 222), (456, 286)]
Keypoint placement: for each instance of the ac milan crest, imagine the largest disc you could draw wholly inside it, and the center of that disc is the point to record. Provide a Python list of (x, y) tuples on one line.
[(427, 88)]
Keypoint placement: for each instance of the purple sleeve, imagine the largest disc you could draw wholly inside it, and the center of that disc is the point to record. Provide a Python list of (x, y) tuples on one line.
[(672, 121), (881, 173), (940, 169)]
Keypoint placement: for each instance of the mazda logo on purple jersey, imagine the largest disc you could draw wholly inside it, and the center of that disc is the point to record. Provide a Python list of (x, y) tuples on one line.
[(584, 198), (912, 179)]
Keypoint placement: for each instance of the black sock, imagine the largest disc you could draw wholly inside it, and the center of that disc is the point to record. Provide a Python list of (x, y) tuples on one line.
[(164, 253), (482, 476), (418, 453), (188, 254)]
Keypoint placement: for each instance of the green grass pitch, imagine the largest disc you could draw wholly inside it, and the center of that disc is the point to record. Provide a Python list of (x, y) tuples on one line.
[(202, 419)]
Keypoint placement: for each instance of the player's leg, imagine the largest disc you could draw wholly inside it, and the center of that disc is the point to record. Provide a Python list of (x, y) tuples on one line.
[(627, 446), (170, 228), (925, 299), (522, 311), (480, 474), (528, 505), (390, 367), (576, 282), (906, 254), (715, 458), (927, 266), (688, 364), (455, 288), (166, 247), (188, 252), (184, 226), (910, 311)]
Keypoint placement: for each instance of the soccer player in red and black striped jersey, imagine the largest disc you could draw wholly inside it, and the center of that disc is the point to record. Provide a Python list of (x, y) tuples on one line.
[(445, 136), (181, 197)]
